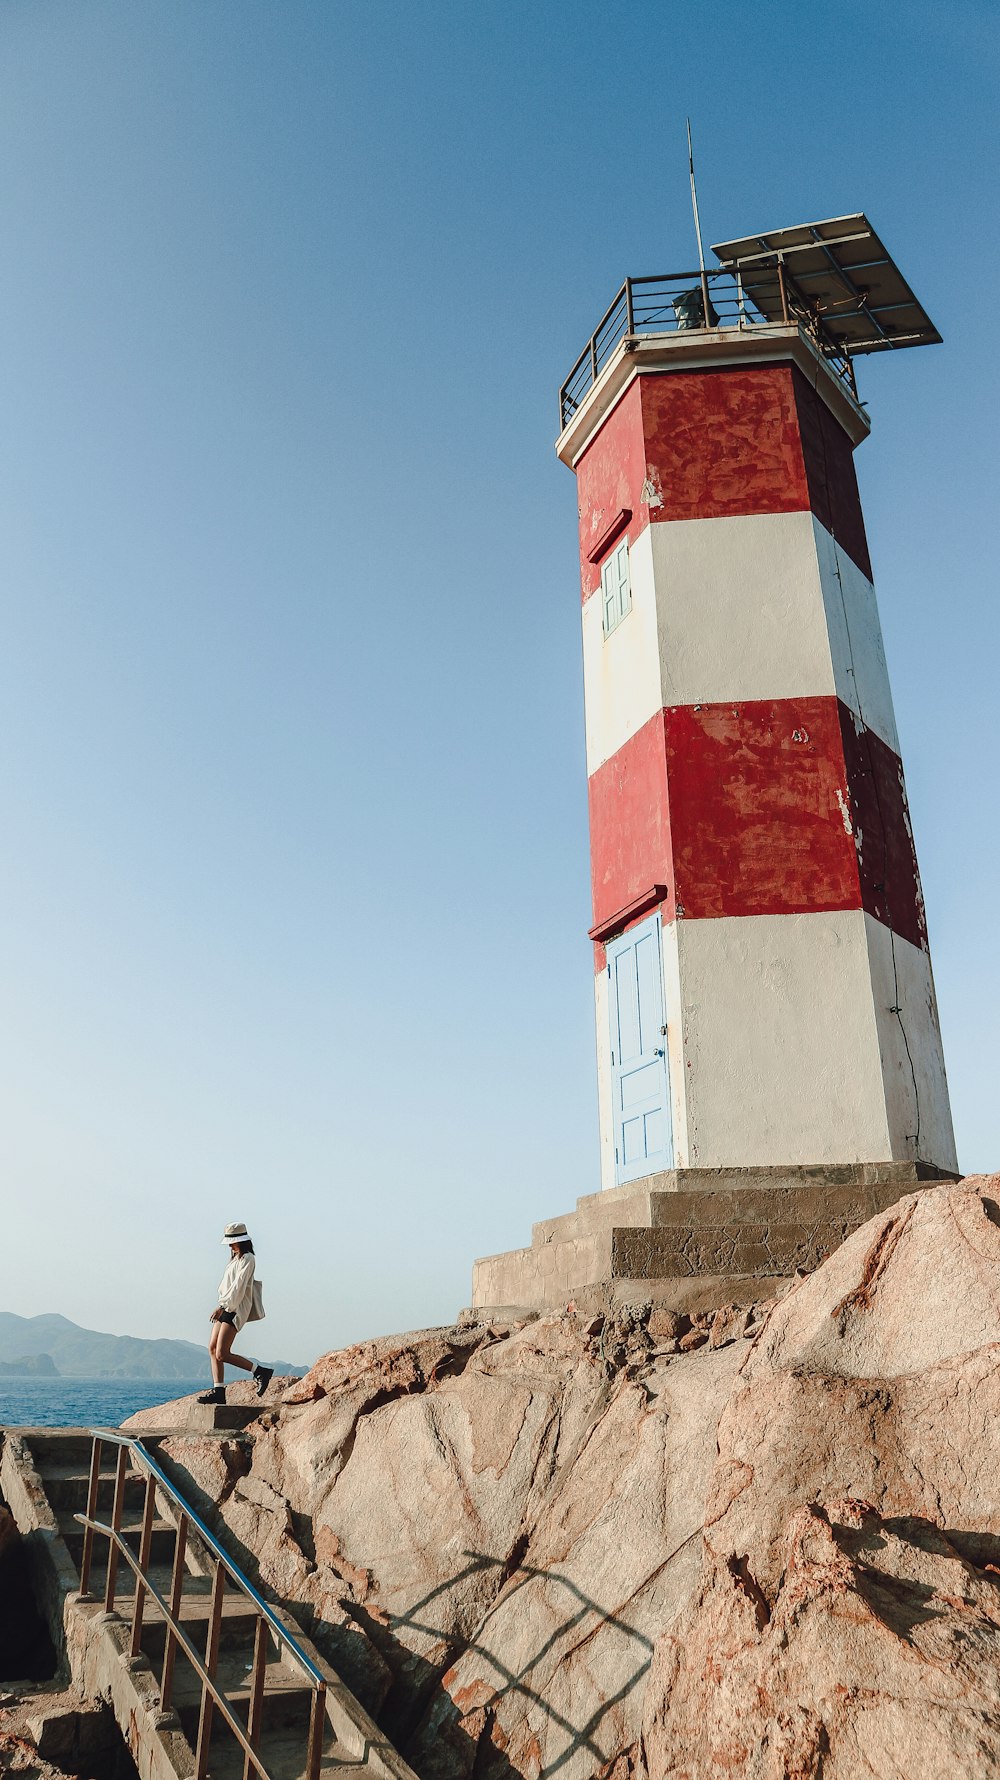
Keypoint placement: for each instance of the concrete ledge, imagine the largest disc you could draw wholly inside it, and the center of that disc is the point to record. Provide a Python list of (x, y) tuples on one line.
[(648, 1201), (601, 1297), (716, 1225)]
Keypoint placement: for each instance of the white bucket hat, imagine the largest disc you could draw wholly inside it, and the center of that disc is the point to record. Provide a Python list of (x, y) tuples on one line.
[(236, 1233)]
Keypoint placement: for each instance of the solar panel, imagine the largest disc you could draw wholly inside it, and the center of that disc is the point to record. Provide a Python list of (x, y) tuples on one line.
[(839, 273)]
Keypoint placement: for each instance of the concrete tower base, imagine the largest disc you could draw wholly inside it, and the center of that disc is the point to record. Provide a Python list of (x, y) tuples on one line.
[(693, 1238)]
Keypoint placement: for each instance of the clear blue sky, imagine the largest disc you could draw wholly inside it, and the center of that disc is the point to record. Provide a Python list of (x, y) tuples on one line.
[(293, 861)]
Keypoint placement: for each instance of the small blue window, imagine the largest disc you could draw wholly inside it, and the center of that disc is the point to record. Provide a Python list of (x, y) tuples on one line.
[(616, 589)]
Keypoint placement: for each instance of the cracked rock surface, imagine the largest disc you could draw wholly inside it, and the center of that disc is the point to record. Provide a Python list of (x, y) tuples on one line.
[(760, 1543)]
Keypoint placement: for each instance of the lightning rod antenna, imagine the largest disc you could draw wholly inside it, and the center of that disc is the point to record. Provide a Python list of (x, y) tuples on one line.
[(706, 311)]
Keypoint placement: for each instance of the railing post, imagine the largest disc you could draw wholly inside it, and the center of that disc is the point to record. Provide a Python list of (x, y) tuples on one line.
[(630, 318), (593, 360), (145, 1542), (116, 1522), (704, 298), (176, 1591), (784, 291), (88, 1532), (317, 1725), (254, 1712), (211, 1664)]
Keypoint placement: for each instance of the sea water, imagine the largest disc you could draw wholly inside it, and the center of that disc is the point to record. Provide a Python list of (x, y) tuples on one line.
[(85, 1402)]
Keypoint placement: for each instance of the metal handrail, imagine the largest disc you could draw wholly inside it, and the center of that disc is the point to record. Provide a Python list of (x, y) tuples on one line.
[(212, 1695), (649, 305)]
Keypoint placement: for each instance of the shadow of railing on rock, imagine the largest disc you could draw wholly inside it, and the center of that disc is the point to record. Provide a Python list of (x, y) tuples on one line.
[(416, 1687), (585, 1613)]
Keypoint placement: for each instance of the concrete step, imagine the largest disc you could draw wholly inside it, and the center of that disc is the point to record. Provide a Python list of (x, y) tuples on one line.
[(846, 1207), (161, 1545), (239, 1622), (283, 1754), (713, 1225), (160, 1574), (689, 1195), (287, 1699), (214, 1418), (57, 1446), (66, 1486), (758, 1248)]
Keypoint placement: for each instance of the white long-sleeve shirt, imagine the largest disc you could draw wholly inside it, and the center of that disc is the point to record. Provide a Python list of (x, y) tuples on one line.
[(236, 1288)]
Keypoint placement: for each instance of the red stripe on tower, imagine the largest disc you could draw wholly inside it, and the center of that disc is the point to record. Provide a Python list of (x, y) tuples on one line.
[(777, 807)]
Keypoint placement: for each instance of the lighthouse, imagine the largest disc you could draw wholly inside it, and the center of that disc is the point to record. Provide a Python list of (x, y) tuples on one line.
[(766, 1020)]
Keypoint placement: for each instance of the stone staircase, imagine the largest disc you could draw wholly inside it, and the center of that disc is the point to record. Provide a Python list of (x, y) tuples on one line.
[(44, 1476), (692, 1239)]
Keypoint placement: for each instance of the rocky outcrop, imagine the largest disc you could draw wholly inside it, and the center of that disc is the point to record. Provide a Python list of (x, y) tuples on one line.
[(760, 1543), (876, 1652), (848, 1619)]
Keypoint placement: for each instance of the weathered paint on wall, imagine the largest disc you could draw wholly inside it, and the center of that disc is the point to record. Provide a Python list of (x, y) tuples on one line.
[(722, 443), (621, 672), (758, 827), (629, 823), (614, 478), (740, 609), (761, 606), (882, 833), (832, 481), (913, 1068), (777, 806), (860, 675), (780, 1042), (793, 1050)]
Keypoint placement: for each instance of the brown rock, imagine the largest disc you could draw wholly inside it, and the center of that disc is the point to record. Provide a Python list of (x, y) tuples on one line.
[(729, 1324), (878, 1654), (612, 1554), (666, 1325), (694, 1338)]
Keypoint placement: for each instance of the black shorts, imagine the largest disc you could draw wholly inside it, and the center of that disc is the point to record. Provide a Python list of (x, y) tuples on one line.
[(227, 1316)]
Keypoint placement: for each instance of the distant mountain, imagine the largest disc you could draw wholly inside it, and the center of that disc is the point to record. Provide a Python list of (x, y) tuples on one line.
[(86, 1353), (29, 1366)]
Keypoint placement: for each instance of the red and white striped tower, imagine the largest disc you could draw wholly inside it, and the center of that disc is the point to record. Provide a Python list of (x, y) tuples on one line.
[(763, 979)]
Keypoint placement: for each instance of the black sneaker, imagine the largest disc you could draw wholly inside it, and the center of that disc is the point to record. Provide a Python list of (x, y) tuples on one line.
[(217, 1394), (262, 1376)]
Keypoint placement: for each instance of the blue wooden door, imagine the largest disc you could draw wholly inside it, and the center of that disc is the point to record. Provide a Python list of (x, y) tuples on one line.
[(639, 1081)]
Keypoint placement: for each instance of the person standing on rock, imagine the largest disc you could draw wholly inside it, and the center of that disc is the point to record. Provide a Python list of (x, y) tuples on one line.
[(239, 1303)]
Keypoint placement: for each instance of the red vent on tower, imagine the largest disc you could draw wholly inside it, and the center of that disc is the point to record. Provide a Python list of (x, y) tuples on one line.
[(609, 534)]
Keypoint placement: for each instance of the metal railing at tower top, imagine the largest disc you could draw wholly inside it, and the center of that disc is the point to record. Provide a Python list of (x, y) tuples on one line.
[(675, 302), (168, 1609)]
